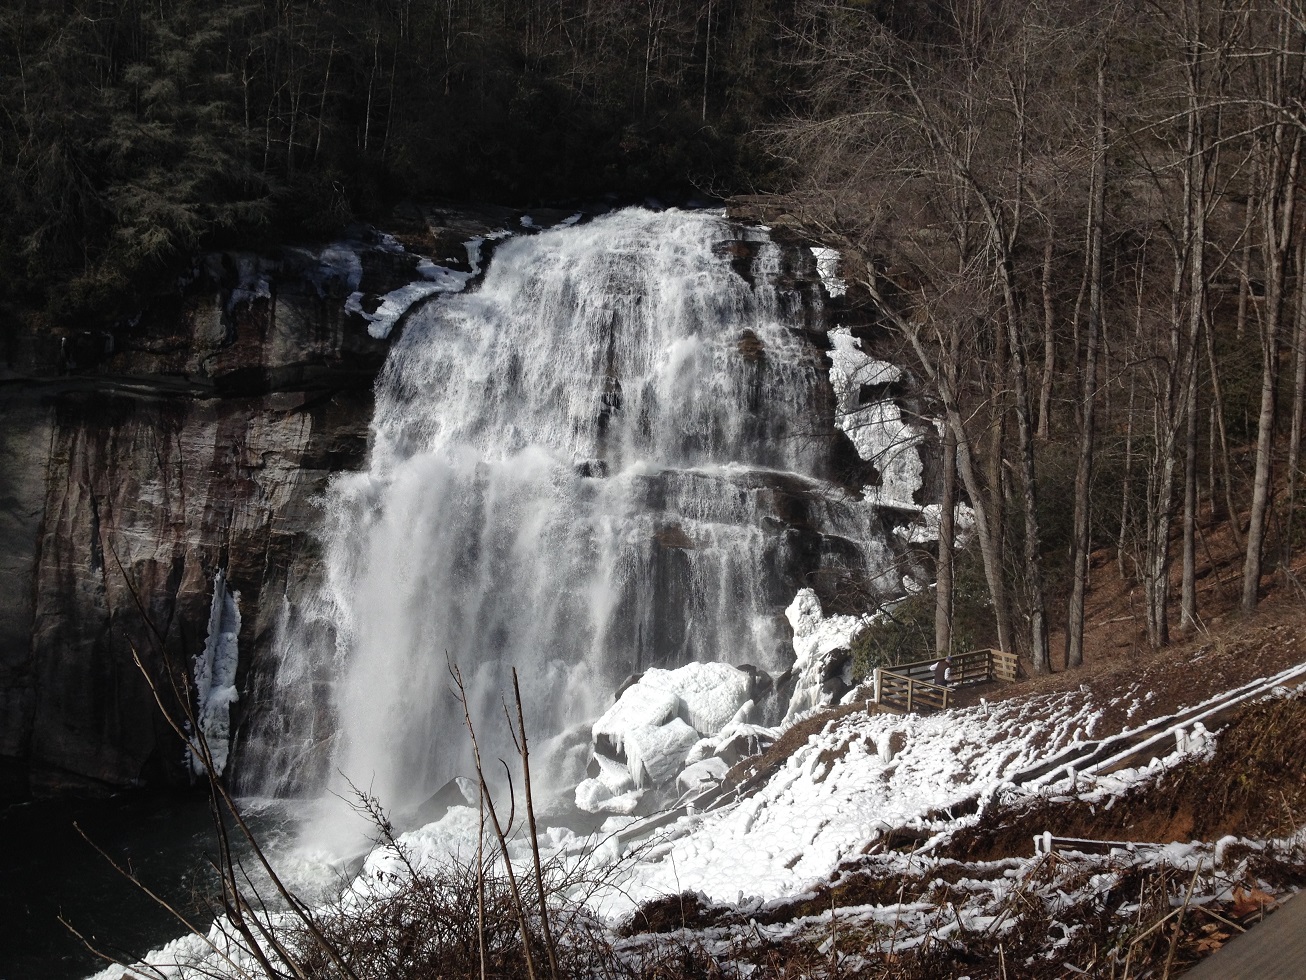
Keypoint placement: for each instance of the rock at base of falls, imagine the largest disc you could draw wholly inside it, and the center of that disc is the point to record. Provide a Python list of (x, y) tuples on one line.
[(655, 755), (638, 707), (701, 776), (710, 693), (609, 789), (660, 723)]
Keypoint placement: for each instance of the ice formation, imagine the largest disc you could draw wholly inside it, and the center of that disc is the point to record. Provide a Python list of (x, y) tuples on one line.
[(827, 267), (876, 426), (214, 676), (397, 302), (816, 637), (657, 724)]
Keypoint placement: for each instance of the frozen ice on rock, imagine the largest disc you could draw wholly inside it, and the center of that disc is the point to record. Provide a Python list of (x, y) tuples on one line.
[(736, 740), (827, 267), (394, 305), (925, 527), (712, 693), (638, 707), (214, 673), (254, 281), (339, 264), (397, 302), (876, 427), (655, 755), (593, 796), (816, 638), (612, 790), (659, 719), (702, 775), (613, 775)]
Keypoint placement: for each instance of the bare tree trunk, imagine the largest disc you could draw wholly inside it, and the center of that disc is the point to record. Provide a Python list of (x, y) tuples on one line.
[(1196, 314), (371, 91), (1126, 489), (321, 107), (943, 588), (1038, 631), (1049, 343), (1226, 470), (1080, 537), (1298, 399), (1278, 227)]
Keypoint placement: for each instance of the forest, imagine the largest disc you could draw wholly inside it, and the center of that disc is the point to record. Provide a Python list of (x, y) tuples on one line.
[(1080, 222), (136, 132), (1077, 220)]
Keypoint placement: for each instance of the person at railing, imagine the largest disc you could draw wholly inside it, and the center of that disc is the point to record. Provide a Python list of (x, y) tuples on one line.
[(943, 671)]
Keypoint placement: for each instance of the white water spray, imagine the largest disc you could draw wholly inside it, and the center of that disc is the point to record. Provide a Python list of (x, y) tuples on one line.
[(603, 460)]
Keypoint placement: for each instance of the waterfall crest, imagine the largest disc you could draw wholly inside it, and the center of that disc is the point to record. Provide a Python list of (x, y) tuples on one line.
[(607, 458)]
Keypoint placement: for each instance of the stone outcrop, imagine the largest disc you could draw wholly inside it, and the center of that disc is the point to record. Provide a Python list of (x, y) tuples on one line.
[(137, 462)]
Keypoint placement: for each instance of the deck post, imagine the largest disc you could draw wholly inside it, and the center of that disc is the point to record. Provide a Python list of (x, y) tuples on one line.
[(911, 687), (877, 685)]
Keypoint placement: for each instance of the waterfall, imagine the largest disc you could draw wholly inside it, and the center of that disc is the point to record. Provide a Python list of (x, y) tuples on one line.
[(611, 456)]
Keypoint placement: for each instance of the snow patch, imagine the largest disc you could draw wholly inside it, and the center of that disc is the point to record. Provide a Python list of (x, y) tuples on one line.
[(827, 266)]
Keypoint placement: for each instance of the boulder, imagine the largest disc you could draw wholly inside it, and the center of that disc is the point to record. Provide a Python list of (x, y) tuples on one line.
[(656, 754)]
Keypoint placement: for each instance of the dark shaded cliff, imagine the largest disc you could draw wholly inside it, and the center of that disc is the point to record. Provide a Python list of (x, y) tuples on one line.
[(136, 463)]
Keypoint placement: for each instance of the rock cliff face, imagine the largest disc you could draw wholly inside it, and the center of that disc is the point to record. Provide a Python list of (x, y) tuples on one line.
[(136, 463)]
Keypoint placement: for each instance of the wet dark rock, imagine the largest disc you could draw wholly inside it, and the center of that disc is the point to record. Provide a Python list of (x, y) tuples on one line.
[(625, 685), (674, 536), (132, 471), (760, 683), (456, 792)]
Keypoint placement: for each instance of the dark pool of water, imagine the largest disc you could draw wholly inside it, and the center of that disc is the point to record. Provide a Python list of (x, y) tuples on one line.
[(47, 870)]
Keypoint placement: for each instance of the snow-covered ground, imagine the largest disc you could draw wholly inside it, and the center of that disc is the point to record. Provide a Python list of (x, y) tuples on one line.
[(852, 781), (863, 775)]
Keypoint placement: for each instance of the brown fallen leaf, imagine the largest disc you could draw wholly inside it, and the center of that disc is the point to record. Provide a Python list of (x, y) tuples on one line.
[(1247, 903)]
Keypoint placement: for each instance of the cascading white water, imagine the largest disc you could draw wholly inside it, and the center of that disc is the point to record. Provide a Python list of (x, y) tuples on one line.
[(604, 459)]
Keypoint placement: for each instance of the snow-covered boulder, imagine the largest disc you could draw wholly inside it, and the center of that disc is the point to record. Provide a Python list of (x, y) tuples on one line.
[(736, 741), (711, 692), (702, 776), (655, 755), (612, 790), (661, 718), (638, 707)]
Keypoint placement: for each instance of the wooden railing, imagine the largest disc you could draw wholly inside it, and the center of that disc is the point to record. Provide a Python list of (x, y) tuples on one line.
[(907, 693), (910, 687)]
